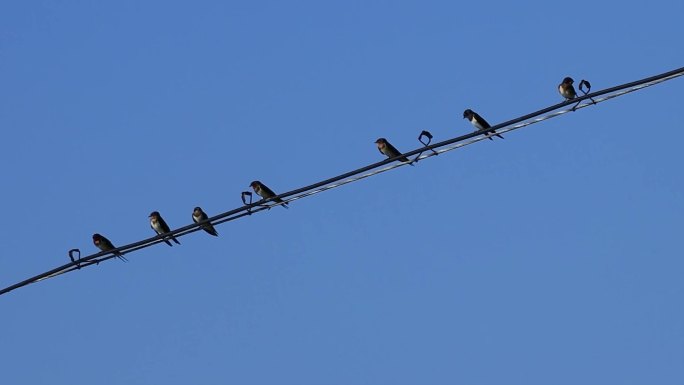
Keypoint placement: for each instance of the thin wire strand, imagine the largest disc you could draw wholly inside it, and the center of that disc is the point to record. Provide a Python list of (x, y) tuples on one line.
[(362, 173)]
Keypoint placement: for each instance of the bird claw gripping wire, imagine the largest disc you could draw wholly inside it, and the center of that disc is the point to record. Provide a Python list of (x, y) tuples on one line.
[(582, 85), (424, 134), (244, 200), (76, 259)]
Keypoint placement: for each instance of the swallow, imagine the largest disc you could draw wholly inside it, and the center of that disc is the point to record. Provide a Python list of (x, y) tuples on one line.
[(198, 216), (386, 148), (265, 192), (566, 89), (479, 123), (105, 244), (160, 227)]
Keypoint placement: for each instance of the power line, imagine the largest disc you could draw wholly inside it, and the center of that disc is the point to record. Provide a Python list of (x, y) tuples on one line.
[(421, 153)]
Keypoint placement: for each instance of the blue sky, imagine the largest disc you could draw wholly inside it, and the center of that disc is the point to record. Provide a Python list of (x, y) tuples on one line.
[(550, 257)]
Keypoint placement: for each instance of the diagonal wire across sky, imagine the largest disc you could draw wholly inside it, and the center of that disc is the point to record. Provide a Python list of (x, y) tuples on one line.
[(427, 151)]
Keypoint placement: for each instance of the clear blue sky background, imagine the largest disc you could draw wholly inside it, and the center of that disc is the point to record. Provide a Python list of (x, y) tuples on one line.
[(551, 257)]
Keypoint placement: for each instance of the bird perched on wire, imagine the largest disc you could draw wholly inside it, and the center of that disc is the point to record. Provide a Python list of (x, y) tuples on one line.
[(104, 244), (266, 192), (566, 89), (479, 123), (198, 216), (160, 227), (386, 148)]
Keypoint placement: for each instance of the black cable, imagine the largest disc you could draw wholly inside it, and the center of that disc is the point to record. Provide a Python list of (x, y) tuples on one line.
[(249, 209)]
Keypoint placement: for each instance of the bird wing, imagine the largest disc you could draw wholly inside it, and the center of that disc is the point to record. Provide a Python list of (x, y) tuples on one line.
[(107, 244), (482, 120), (392, 151), (210, 229), (163, 225), (267, 191)]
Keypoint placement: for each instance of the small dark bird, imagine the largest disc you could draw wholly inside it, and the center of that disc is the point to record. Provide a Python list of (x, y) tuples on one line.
[(160, 227), (566, 89), (198, 216), (386, 148), (479, 123), (104, 244), (265, 192)]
